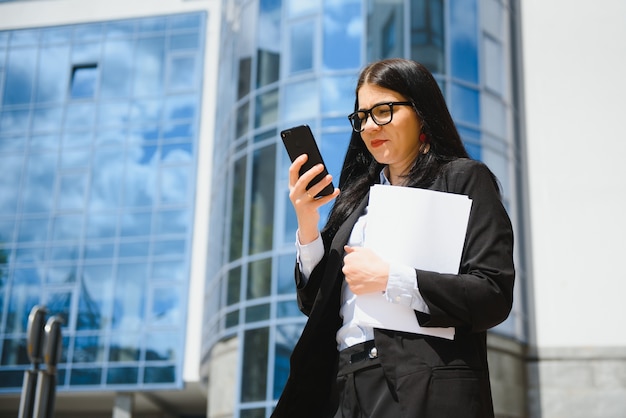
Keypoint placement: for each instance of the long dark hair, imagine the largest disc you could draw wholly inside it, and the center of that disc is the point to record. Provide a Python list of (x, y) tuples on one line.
[(360, 170)]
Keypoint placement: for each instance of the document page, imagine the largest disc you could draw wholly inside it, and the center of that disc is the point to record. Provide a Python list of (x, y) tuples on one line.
[(424, 229)]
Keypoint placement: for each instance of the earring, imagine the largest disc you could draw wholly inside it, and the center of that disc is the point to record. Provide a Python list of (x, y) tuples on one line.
[(423, 138)]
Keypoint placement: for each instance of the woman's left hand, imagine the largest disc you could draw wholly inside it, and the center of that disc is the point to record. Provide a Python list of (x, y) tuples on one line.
[(364, 270)]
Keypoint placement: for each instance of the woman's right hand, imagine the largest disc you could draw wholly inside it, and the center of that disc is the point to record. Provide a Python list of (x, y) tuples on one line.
[(304, 202)]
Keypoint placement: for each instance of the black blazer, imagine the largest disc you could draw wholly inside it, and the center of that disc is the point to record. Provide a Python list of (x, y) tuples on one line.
[(433, 377)]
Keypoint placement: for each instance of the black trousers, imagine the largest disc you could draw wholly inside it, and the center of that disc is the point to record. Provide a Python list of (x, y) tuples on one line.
[(364, 391)]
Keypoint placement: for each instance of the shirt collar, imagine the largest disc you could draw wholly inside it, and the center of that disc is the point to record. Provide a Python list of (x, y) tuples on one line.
[(383, 178)]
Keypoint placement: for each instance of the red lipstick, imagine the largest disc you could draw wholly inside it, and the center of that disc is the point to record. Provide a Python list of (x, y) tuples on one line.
[(377, 143)]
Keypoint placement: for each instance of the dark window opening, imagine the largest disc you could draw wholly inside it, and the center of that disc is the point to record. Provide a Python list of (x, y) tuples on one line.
[(84, 80)]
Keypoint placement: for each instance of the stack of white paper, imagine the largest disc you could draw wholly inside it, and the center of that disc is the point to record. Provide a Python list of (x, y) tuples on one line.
[(420, 228)]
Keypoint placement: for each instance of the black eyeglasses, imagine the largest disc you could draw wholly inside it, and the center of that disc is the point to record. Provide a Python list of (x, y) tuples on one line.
[(381, 114)]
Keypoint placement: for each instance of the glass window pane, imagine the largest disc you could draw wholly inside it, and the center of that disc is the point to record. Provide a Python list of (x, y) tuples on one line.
[(166, 306), (122, 375), (117, 69), (175, 184), (72, 191), (333, 147), (494, 65), (254, 368), (165, 374), (233, 286), (298, 7), (46, 120), (150, 62), (266, 112), (386, 20), (258, 313), (130, 296), (53, 69), (245, 73), (14, 352), (84, 81), (286, 271), (427, 34), (124, 346), (184, 41), (81, 377), (464, 39), (338, 96), (20, 76), (301, 46), (301, 100), (465, 104), (171, 270), (237, 209), (67, 227), (259, 278), (162, 346), (169, 222), (343, 29), (59, 303), (101, 225), (262, 199), (38, 183), (88, 349), (182, 73), (286, 337), (96, 295)]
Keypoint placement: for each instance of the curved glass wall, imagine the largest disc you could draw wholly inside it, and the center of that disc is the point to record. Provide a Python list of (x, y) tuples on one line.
[(288, 62), (98, 139)]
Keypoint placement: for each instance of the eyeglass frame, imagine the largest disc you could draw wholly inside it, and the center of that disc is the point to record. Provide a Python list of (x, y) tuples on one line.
[(368, 113)]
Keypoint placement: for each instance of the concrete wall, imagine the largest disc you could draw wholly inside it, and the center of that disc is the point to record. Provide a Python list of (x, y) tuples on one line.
[(574, 61)]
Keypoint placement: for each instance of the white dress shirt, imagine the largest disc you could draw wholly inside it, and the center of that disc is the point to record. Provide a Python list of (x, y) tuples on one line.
[(402, 286)]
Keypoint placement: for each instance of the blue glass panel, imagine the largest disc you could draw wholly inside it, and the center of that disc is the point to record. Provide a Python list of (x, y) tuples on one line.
[(95, 297), (72, 159), (463, 31), (150, 63), (288, 309), (130, 296), (184, 41), (465, 104), (117, 69), (25, 293), (11, 378), (175, 184), (86, 53), (333, 147), (134, 249), (169, 222), (33, 230), (257, 313), (183, 73), (29, 255), (72, 192), (299, 7), (56, 35), (181, 131), (58, 304), (67, 227), (300, 100), (120, 29), (124, 346), (148, 110), (87, 349), (106, 171), (343, 27), (100, 225), (262, 199), (88, 32), (53, 69), (169, 248), (4, 38), (301, 46), (286, 268), (14, 352), (136, 223), (122, 375), (95, 251), (14, 121), (181, 107), (44, 143), (165, 374), (186, 22), (20, 76), (9, 184), (82, 377), (338, 95), (162, 346), (286, 337), (37, 190), (173, 270), (254, 367), (47, 119), (259, 279), (66, 253), (167, 304), (80, 116), (266, 109), (77, 139), (24, 37), (156, 24)]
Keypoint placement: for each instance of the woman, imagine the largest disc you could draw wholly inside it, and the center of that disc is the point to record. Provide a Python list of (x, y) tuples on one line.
[(403, 136)]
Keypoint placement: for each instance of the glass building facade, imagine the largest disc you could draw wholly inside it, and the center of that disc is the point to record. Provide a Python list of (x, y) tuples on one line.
[(98, 143), (289, 62)]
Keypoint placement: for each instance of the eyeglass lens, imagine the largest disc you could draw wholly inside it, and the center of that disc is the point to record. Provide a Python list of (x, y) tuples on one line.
[(381, 115)]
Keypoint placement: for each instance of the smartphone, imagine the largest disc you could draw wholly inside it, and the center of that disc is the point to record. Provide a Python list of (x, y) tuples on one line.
[(299, 140)]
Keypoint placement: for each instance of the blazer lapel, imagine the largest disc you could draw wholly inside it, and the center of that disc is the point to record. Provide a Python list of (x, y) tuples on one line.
[(343, 234)]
